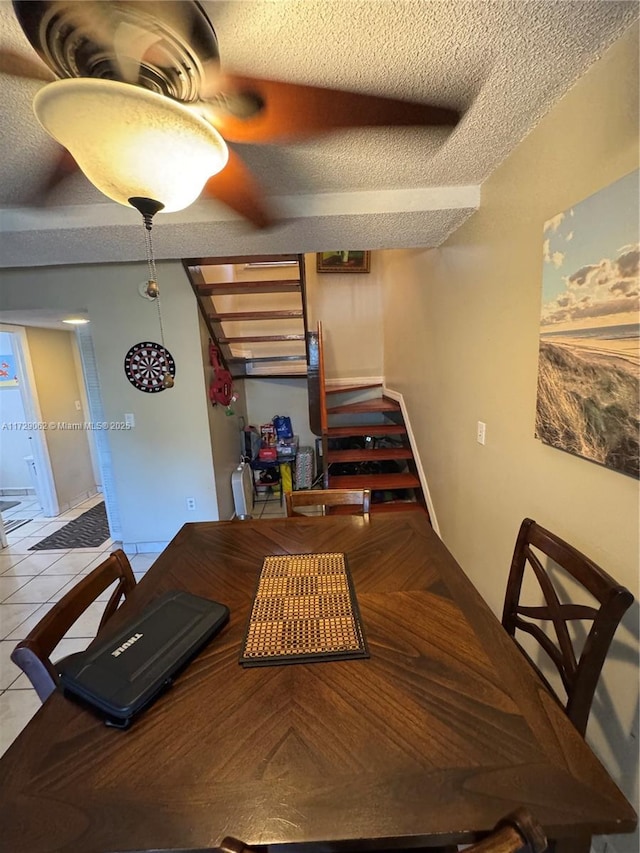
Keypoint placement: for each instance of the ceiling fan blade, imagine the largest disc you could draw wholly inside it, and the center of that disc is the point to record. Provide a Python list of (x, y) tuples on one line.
[(21, 66), (291, 111), (236, 187), (64, 167)]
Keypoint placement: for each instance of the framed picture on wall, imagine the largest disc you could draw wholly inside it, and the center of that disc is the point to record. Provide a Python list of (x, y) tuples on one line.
[(343, 261), (588, 385)]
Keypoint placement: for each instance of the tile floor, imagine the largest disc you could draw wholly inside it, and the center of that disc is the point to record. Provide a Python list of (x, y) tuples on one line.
[(32, 581)]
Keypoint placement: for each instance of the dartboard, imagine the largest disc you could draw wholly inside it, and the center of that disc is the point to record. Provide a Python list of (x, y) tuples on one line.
[(146, 363)]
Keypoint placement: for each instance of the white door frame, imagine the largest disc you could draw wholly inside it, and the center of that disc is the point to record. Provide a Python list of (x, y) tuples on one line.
[(27, 384)]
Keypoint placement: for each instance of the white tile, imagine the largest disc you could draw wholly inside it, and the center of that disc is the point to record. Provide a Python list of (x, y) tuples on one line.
[(30, 529), (7, 561), (26, 625), (39, 589), (151, 547), (87, 624), (14, 541), (9, 514), (33, 564), (21, 682), (70, 515), (17, 707), (10, 584), (72, 580), (104, 596), (68, 646), (9, 672), (21, 545), (91, 551), (52, 552), (50, 528), (93, 564), (142, 562), (11, 615), (75, 561)]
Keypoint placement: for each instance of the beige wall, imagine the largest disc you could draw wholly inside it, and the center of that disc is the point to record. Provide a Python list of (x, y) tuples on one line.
[(350, 308), (58, 389), (280, 396), (224, 431), (166, 458), (461, 344)]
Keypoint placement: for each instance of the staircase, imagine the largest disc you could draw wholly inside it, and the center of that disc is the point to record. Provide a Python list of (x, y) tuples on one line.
[(254, 308), (364, 440)]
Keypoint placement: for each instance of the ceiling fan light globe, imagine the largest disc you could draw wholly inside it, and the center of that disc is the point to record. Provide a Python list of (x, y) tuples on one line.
[(131, 142)]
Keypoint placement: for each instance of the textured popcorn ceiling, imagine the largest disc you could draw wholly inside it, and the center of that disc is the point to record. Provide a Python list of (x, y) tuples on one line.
[(502, 64)]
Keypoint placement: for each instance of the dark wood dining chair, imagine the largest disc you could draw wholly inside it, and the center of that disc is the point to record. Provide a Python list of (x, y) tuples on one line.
[(579, 670), (33, 653), (518, 832), (360, 499)]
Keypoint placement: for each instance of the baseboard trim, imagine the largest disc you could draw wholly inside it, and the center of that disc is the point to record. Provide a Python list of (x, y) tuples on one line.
[(142, 547), (397, 396)]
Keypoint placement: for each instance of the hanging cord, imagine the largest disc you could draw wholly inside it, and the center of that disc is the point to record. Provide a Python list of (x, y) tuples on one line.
[(151, 264), (154, 290)]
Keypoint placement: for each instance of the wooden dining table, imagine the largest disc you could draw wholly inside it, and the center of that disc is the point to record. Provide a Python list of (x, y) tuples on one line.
[(442, 730)]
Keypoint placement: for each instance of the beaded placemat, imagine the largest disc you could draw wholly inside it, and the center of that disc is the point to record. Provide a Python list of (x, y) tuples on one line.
[(304, 609)]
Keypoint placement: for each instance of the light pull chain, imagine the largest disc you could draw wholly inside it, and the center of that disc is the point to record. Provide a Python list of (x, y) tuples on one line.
[(154, 291)]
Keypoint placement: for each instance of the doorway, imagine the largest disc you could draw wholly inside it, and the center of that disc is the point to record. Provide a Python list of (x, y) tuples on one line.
[(26, 465)]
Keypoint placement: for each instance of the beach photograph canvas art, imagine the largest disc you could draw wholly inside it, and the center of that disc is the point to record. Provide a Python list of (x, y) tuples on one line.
[(589, 358)]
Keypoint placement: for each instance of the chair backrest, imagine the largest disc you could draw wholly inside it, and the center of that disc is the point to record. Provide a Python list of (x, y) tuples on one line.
[(328, 497), (579, 672), (518, 831), (32, 654)]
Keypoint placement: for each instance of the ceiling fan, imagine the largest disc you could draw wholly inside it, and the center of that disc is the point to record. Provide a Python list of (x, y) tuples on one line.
[(139, 92)]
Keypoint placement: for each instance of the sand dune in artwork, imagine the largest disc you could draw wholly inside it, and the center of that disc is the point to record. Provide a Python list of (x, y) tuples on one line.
[(627, 350), (588, 402)]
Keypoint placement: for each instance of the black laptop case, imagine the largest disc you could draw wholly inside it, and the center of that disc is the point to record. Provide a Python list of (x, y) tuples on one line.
[(123, 674)]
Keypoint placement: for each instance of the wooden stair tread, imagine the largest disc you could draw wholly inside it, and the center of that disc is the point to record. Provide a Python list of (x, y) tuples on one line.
[(380, 404), (297, 374), (378, 482), (262, 358), (241, 259), (224, 288), (386, 506), (342, 389), (398, 506), (361, 455), (366, 429), (256, 315), (260, 339)]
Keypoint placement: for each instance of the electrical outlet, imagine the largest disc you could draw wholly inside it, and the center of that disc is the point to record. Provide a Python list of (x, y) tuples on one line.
[(481, 433), (191, 504), (129, 419), (78, 405)]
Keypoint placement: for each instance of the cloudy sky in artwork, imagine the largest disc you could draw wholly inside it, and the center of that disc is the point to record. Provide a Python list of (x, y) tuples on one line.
[(591, 260)]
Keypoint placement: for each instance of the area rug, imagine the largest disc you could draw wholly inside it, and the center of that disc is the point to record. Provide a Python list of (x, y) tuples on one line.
[(87, 531), (14, 524), (5, 505)]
